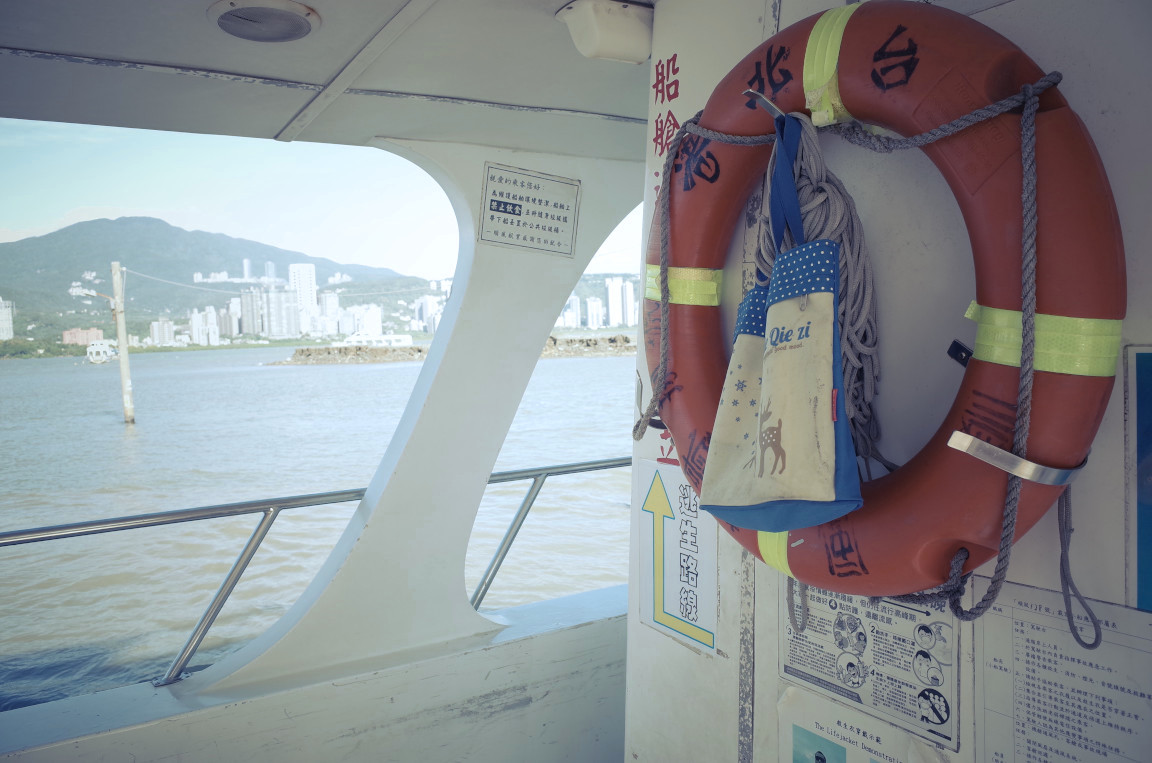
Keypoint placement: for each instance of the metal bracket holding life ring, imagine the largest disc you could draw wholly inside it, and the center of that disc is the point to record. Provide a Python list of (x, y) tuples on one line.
[(917, 519)]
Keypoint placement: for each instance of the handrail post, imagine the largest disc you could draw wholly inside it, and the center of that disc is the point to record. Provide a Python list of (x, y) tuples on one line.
[(176, 670), (509, 536)]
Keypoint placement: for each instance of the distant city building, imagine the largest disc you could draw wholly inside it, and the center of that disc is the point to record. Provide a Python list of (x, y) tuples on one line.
[(229, 325), (368, 320), (252, 312), (247, 269), (83, 337), (229, 318), (302, 280), (282, 318), (203, 329), (631, 308), (570, 315), (196, 330), (427, 311), (162, 333), (615, 300), (7, 311), (595, 312), (621, 302), (270, 270), (328, 323)]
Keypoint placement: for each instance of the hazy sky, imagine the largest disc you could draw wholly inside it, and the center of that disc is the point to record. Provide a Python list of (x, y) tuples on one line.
[(349, 204)]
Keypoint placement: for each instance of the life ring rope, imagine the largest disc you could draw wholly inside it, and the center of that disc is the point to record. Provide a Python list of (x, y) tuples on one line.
[(917, 70), (664, 273), (1066, 344)]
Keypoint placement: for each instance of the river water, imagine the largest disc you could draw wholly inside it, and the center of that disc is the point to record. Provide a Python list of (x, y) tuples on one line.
[(213, 427)]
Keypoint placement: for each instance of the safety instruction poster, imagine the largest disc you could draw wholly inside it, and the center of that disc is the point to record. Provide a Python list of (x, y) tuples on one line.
[(678, 587), (896, 661), (1044, 697), (529, 209)]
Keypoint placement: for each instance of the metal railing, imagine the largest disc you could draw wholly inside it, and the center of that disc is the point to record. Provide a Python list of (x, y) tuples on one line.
[(271, 509), (537, 476)]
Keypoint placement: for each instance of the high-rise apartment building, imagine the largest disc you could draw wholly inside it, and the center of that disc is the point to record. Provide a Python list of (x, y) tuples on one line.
[(615, 288), (282, 318), (621, 302), (203, 327), (7, 312), (302, 280), (595, 310), (162, 333), (369, 320), (631, 309), (252, 312), (196, 328), (427, 311), (570, 315), (270, 270)]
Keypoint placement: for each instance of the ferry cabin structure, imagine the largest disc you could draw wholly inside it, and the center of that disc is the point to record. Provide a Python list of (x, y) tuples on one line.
[(383, 657)]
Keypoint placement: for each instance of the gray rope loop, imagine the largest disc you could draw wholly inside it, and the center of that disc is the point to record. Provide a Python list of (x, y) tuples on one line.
[(798, 626), (856, 134), (660, 374), (1067, 586)]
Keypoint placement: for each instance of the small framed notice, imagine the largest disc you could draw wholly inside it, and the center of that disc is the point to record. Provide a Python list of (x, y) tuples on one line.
[(529, 210)]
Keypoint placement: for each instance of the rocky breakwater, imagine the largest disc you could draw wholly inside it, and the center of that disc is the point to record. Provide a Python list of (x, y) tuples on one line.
[(589, 347), (569, 347)]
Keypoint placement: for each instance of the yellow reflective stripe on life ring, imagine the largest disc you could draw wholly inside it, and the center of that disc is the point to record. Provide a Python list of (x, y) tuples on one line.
[(821, 90), (687, 286), (1064, 345), (774, 550)]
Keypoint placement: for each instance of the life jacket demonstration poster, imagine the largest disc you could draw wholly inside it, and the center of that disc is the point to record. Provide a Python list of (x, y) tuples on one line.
[(895, 661)]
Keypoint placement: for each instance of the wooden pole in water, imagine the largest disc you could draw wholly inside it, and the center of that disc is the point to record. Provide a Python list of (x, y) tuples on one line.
[(122, 342)]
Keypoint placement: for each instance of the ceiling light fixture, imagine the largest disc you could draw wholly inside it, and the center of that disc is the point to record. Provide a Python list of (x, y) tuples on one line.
[(265, 20)]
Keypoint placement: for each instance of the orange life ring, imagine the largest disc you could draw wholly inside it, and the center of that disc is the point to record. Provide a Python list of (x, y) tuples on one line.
[(909, 67)]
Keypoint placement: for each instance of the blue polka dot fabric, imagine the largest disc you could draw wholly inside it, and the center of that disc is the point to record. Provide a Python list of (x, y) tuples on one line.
[(752, 313), (807, 269)]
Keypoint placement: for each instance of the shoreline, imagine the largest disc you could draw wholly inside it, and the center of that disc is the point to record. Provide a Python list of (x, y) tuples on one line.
[(574, 347)]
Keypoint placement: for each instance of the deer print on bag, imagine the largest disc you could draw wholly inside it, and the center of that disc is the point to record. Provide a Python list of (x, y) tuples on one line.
[(770, 438)]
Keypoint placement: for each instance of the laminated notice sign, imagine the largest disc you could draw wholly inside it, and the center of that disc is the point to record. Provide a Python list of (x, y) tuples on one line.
[(529, 209), (895, 661), (1040, 696)]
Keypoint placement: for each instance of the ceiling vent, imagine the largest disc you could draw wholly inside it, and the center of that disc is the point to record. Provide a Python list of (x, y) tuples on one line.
[(265, 20)]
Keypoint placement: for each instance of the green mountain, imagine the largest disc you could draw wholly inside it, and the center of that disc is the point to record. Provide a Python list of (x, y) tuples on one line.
[(36, 273)]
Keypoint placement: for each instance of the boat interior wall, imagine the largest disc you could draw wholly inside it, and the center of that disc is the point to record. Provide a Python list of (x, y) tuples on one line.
[(448, 438), (396, 69), (920, 254)]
